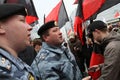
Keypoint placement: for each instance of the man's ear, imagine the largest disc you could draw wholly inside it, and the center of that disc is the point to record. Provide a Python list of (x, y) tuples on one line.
[(2, 30), (96, 30), (45, 37)]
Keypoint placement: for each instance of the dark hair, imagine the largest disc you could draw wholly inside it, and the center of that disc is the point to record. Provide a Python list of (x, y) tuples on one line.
[(37, 41), (44, 33)]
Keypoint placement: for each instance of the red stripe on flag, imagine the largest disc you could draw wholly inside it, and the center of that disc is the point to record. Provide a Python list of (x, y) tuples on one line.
[(78, 27), (78, 21), (32, 16), (90, 7), (53, 15), (107, 5), (58, 14), (85, 9), (31, 19), (95, 60)]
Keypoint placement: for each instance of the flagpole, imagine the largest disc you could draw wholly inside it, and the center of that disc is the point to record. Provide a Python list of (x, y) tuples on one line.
[(44, 19), (5, 1), (33, 6)]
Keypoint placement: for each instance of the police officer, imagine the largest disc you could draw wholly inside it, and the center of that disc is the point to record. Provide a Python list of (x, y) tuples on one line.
[(14, 37), (54, 61)]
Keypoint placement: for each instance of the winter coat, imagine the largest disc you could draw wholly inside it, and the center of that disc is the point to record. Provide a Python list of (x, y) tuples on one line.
[(12, 68), (55, 63), (111, 65)]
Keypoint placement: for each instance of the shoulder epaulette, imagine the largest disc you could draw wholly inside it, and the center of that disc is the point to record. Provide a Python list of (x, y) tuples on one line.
[(5, 63)]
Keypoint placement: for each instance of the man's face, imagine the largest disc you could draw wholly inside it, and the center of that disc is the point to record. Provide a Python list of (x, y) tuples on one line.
[(97, 35), (54, 37), (17, 31), (37, 48)]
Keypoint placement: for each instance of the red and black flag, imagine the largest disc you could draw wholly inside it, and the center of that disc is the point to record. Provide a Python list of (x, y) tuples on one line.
[(96, 59), (78, 20), (85, 9), (90, 7), (59, 14), (32, 16), (94, 7), (107, 5)]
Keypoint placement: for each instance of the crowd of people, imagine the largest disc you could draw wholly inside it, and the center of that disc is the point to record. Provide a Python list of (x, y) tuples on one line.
[(46, 58)]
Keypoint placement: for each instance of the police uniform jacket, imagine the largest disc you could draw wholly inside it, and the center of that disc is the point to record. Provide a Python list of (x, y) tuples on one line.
[(14, 68), (53, 63)]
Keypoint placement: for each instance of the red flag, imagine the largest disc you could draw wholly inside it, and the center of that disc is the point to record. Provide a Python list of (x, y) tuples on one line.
[(32, 16), (96, 58), (59, 14)]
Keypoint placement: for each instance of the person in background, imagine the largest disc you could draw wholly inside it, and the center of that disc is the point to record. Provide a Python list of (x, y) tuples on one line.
[(55, 61), (37, 43), (87, 49), (110, 45), (76, 48), (14, 37)]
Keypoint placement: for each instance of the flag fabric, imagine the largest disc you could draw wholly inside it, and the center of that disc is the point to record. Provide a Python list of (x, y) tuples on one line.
[(90, 7), (107, 4), (59, 14), (96, 58), (78, 20), (32, 16), (85, 9)]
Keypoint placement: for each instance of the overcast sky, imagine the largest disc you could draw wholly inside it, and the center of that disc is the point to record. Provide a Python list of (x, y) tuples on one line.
[(45, 6)]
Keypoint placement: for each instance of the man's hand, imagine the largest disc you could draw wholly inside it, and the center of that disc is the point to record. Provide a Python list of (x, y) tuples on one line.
[(87, 78), (94, 68)]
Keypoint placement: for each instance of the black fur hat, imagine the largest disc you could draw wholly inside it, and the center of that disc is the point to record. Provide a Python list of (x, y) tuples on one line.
[(47, 26), (10, 9)]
